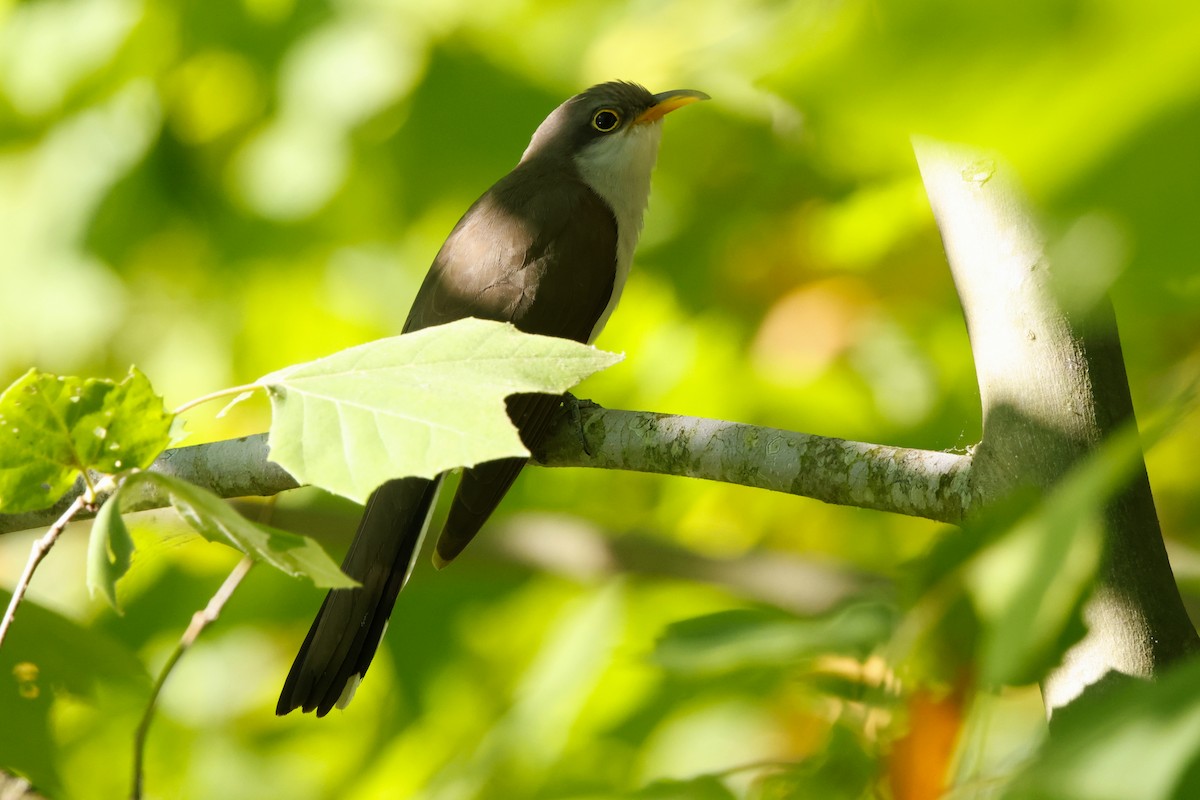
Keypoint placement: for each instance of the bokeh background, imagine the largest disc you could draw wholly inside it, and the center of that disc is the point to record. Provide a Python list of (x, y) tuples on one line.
[(213, 190)]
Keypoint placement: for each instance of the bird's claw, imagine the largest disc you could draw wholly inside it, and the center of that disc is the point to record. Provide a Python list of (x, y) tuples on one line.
[(574, 408)]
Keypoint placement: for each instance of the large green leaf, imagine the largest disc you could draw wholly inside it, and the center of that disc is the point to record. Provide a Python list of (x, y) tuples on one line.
[(54, 427), (1009, 589), (755, 638), (417, 404), (46, 653), (1139, 742), (217, 521), (1029, 585), (110, 550)]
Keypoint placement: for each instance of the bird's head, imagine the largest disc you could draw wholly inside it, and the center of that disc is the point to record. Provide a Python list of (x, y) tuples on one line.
[(610, 135), (608, 117)]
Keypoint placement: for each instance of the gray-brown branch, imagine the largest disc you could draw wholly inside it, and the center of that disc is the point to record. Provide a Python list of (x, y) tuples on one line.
[(922, 483), (1053, 387)]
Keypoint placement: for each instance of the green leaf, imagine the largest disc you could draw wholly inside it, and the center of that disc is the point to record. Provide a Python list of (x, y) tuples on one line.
[(52, 428), (417, 404), (1028, 589), (1138, 742), (1029, 585), (1010, 587), (217, 521), (752, 638), (110, 550), (46, 653), (27, 743)]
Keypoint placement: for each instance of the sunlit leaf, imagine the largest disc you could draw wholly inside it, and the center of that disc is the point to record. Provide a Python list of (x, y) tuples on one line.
[(217, 521), (1029, 585), (53, 427), (27, 745), (110, 550), (1005, 595), (1140, 742), (46, 653), (417, 404)]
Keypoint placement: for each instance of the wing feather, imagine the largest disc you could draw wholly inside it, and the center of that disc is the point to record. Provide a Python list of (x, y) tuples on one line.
[(541, 258)]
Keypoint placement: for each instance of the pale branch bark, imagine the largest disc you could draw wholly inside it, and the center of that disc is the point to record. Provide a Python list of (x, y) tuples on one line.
[(923, 483), (920, 483), (1053, 387), (229, 468)]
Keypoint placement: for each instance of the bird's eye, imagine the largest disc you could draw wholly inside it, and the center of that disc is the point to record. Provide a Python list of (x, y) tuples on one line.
[(606, 120)]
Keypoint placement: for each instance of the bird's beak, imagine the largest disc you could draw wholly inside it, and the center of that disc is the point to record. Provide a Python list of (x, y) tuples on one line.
[(666, 102)]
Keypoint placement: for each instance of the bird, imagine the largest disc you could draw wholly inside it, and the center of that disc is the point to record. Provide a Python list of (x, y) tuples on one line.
[(548, 249)]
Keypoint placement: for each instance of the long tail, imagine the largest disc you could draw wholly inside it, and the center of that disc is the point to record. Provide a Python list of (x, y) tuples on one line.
[(484, 485), (344, 636)]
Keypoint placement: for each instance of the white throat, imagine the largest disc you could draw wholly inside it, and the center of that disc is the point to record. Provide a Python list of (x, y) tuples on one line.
[(618, 169)]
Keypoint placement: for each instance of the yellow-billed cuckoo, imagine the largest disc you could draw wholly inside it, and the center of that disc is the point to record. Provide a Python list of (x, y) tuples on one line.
[(548, 249)]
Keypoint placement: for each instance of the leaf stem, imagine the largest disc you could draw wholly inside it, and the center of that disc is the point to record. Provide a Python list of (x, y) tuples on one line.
[(39, 550), (89, 494), (234, 390), (200, 620)]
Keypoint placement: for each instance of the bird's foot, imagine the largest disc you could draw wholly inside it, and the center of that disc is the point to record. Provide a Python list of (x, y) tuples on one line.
[(574, 408)]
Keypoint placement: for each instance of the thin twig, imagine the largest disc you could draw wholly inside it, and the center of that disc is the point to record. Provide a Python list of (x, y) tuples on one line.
[(39, 550), (200, 620), (233, 390)]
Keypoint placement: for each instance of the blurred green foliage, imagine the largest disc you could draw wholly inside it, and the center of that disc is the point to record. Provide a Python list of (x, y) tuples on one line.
[(214, 190)]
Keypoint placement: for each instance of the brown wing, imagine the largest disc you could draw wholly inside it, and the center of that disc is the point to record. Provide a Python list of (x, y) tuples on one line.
[(539, 251)]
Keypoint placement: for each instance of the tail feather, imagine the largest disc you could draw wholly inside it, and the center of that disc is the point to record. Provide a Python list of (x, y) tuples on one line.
[(484, 485), (347, 630), (479, 492)]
